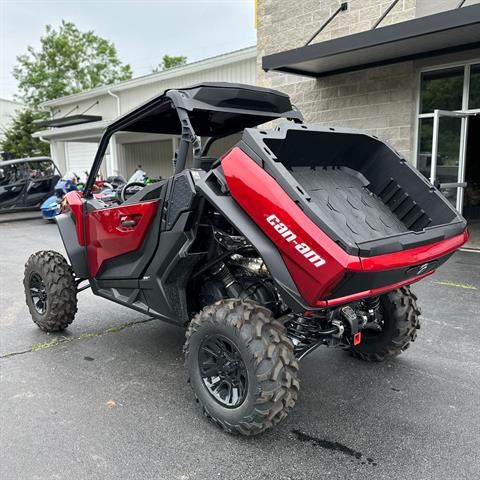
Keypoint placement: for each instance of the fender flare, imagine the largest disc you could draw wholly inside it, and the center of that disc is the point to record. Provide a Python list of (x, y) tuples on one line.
[(208, 186), (75, 252)]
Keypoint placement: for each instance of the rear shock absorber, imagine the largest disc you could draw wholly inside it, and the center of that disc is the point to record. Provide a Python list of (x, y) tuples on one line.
[(307, 334), (223, 274), (371, 306)]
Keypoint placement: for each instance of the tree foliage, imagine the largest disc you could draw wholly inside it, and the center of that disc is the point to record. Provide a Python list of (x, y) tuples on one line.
[(170, 61), (68, 61), (18, 141)]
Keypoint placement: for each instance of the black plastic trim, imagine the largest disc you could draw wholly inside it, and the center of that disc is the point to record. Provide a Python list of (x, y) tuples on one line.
[(362, 281), (76, 253)]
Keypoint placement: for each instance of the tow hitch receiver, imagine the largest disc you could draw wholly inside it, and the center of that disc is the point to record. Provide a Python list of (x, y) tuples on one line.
[(349, 315)]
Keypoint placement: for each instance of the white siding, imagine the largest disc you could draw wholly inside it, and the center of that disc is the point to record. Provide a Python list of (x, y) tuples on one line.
[(8, 110)]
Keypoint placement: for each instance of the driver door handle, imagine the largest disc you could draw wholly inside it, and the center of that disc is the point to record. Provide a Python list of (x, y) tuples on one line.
[(128, 223)]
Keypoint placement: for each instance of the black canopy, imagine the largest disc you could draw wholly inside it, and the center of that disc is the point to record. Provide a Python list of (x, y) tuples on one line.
[(214, 110), (427, 36)]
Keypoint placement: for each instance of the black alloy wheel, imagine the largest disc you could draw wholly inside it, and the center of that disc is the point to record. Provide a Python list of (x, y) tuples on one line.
[(223, 371), (38, 293)]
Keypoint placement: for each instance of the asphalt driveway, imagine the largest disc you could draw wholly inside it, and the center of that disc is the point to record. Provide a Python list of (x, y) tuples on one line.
[(108, 399)]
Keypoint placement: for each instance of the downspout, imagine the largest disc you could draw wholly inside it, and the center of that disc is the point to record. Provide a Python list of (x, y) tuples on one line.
[(114, 95)]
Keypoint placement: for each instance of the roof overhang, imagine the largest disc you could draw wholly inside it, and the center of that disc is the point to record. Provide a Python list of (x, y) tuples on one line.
[(84, 132), (446, 32), (67, 121)]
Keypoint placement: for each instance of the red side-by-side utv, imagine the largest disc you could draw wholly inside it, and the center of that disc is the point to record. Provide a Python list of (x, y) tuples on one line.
[(298, 236)]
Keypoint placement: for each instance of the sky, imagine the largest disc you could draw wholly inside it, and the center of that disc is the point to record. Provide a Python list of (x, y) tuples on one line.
[(142, 30)]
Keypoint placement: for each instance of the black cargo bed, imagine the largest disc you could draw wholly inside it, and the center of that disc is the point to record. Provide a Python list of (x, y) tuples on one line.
[(344, 200), (357, 189)]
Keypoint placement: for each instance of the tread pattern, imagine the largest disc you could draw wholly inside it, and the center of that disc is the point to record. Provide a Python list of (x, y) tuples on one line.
[(402, 310), (59, 281), (347, 205), (276, 369)]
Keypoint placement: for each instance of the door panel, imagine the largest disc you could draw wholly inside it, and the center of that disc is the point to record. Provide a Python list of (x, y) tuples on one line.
[(39, 189), (115, 231), (13, 179)]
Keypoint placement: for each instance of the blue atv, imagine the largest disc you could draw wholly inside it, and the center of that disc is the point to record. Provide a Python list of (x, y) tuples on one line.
[(50, 208)]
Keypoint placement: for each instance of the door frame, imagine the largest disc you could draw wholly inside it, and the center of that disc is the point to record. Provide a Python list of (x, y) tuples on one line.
[(460, 183), (464, 111)]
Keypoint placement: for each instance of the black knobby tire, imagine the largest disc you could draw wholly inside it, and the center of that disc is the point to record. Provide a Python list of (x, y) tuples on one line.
[(401, 321), (271, 367), (49, 272)]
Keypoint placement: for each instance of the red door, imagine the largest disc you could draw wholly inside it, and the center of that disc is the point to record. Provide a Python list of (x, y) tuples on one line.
[(114, 231)]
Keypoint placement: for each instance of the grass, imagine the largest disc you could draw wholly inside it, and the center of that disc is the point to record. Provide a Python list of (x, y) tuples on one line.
[(54, 342), (466, 286)]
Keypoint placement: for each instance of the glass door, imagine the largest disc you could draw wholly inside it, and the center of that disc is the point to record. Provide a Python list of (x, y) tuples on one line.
[(447, 163)]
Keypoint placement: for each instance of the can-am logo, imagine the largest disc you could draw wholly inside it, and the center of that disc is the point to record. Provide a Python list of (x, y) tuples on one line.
[(312, 256)]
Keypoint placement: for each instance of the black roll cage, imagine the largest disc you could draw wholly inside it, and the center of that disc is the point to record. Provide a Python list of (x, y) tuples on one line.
[(187, 101)]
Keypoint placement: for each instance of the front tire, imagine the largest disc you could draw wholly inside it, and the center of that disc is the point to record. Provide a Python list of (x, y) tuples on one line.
[(400, 321), (50, 291), (241, 366)]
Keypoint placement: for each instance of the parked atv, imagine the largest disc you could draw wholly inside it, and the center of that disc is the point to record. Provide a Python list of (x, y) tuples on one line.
[(50, 208), (298, 236)]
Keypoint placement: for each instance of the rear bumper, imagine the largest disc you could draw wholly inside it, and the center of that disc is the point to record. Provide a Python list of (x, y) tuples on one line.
[(388, 272)]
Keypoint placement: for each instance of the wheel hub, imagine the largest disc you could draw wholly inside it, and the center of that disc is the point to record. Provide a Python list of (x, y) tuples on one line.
[(223, 371), (38, 293)]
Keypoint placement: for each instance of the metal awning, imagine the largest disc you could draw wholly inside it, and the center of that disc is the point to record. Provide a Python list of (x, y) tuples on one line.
[(68, 121), (87, 132), (445, 32)]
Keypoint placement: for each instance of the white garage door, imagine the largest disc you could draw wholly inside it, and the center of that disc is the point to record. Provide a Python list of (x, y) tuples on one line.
[(155, 158), (79, 157)]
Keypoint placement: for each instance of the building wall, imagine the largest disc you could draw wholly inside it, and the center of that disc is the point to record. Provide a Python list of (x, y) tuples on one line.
[(134, 92), (8, 109), (429, 7), (382, 100)]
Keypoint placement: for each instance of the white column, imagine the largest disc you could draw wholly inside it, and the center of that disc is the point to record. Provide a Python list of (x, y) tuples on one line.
[(58, 154), (112, 163)]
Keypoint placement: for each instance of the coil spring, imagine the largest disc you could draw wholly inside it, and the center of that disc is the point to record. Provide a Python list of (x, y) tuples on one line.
[(304, 332), (372, 303)]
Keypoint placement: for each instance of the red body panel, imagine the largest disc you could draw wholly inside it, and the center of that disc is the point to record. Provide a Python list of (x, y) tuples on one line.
[(107, 238), (317, 271)]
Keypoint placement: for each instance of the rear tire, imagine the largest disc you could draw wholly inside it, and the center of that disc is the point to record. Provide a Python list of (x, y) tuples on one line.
[(50, 291), (401, 321), (262, 357)]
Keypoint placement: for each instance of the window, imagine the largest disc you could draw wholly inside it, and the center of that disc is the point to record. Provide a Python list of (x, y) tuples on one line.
[(42, 169), (474, 100), (442, 90)]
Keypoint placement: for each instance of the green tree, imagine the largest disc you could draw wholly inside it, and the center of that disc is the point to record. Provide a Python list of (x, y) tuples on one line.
[(68, 61), (170, 61), (18, 141)]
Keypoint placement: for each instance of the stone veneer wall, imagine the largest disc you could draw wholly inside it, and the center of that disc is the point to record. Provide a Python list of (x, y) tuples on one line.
[(381, 100)]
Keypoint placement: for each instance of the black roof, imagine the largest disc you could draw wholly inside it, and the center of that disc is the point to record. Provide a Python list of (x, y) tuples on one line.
[(67, 121), (214, 110), (450, 31)]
